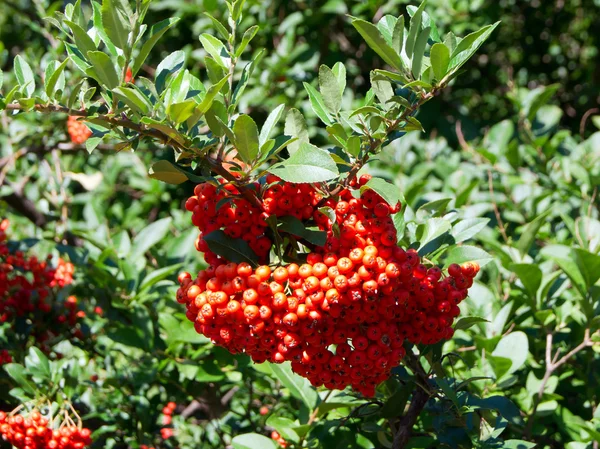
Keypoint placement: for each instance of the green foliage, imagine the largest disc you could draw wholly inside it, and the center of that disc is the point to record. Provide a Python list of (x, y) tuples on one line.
[(519, 197)]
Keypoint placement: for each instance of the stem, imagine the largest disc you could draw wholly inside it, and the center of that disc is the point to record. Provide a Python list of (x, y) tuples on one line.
[(215, 164)]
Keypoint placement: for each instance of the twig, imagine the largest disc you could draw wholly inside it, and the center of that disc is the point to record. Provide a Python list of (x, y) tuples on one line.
[(587, 115)]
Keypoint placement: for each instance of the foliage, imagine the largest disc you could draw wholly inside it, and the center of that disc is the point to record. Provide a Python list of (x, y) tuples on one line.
[(522, 368)]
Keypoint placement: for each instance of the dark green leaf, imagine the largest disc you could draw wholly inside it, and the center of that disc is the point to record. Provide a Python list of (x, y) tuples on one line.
[(414, 29), (149, 236), (156, 33), (246, 38), (376, 41), (440, 59), (530, 276), (318, 104), (419, 52), (389, 192), (103, 69), (530, 232), (165, 171), (56, 81), (469, 45), (270, 123), (246, 138), (469, 321), (234, 250), (116, 16)]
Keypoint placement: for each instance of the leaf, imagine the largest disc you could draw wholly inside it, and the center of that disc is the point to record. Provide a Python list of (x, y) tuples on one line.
[(284, 426), (389, 192), (253, 441), (245, 78), (103, 68), (330, 89), (432, 229), (270, 123), (171, 64), (339, 70), (308, 164), (386, 26), (219, 27), (413, 30), (295, 126), (246, 138), (149, 236), (294, 226), (158, 275), (216, 49), (246, 38), (395, 404), (530, 276), (165, 171), (440, 59), (211, 93), (156, 33), (514, 346), (468, 46), (419, 52), (318, 104), (381, 87), (588, 264), (56, 81), (468, 228), (518, 444), (134, 98), (38, 363), (537, 98), (469, 321), (530, 231), (116, 16), (398, 35), (299, 387), (377, 42), (233, 250), (24, 75), (19, 375), (465, 253), (82, 40)]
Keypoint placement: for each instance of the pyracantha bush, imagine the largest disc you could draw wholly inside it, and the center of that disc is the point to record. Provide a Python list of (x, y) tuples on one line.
[(358, 292), (29, 292)]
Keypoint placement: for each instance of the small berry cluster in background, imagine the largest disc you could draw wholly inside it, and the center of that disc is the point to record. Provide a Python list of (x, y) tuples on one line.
[(34, 431), (77, 130), (29, 291), (167, 418)]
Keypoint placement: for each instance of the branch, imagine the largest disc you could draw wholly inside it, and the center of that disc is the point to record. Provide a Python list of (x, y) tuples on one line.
[(215, 164), (419, 400), (24, 206)]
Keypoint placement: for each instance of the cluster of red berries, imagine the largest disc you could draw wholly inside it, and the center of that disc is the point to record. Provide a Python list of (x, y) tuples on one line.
[(28, 288), (32, 431), (214, 208), (275, 436), (342, 317), (5, 357), (77, 130), (167, 418)]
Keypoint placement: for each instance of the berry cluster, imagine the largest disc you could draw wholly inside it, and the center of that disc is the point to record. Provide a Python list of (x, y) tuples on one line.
[(28, 288), (77, 130), (167, 418), (5, 357), (33, 431), (342, 317), (215, 208)]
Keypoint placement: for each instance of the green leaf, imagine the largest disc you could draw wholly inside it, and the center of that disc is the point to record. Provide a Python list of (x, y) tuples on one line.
[(171, 64), (234, 250), (97, 21), (103, 69), (469, 321), (386, 26), (318, 104), (38, 363), (398, 35), (588, 264), (381, 87), (294, 226), (24, 75), (530, 276), (514, 346), (339, 70), (518, 444), (149, 236), (246, 38), (330, 89), (253, 441), (246, 138), (432, 229), (414, 29), (295, 126), (19, 374), (465, 253), (377, 42), (308, 164), (216, 49), (216, 126), (468, 46), (537, 98), (389, 192), (165, 171), (419, 52), (116, 16), (245, 78), (180, 112), (530, 232), (156, 276), (156, 33), (82, 40), (440, 59), (468, 228), (211, 93), (270, 123), (412, 124), (395, 404), (284, 426), (135, 99), (219, 27), (56, 81), (353, 145), (299, 387)]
